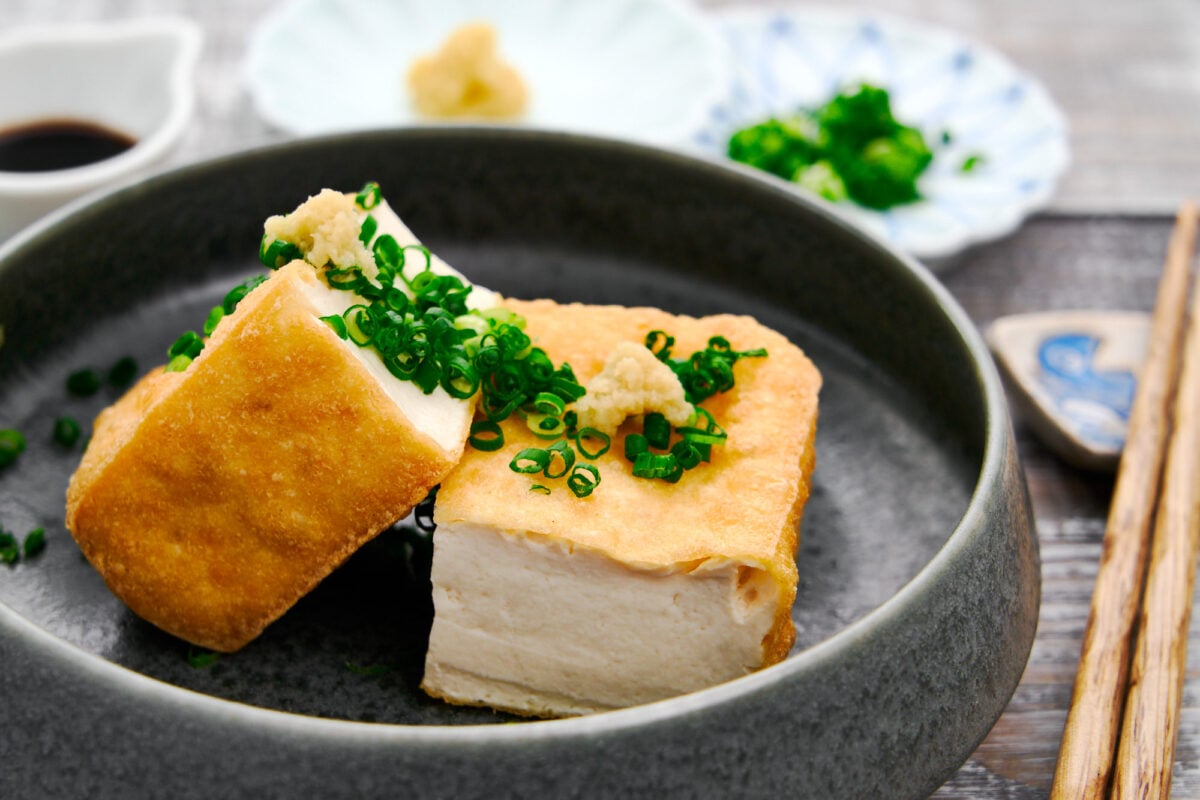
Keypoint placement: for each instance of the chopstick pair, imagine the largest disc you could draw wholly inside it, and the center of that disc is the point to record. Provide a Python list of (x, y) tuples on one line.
[(1122, 725)]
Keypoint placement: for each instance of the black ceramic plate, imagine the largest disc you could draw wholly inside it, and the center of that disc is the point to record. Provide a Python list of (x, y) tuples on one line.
[(913, 452)]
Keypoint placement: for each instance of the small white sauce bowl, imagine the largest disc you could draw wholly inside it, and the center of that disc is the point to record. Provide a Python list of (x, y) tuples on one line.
[(133, 77)]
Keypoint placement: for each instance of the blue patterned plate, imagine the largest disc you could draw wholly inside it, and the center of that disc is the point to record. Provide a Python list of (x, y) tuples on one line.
[(938, 81)]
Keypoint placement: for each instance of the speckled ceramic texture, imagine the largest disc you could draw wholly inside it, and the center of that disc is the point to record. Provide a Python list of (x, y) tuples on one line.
[(919, 569)]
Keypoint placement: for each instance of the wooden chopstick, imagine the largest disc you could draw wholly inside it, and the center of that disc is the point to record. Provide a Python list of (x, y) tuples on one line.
[(1089, 740), (1150, 728)]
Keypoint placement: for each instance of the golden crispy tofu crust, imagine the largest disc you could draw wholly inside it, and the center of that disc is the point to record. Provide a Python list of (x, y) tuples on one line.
[(210, 500), (744, 507)]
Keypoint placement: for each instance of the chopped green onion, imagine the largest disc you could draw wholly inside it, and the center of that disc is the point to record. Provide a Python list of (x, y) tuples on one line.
[(635, 445), (654, 465), (539, 489), (660, 343), (235, 295), (367, 232), (122, 373), (12, 444), (583, 480), (486, 436), (214, 317), (336, 322), (35, 542), (657, 430), (549, 403), (83, 382), (189, 344), (369, 196), (200, 659), (545, 426), (698, 436), (529, 461), (10, 548), (277, 252), (559, 451), (592, 435), (66, 431), (687, 455), (178, 364)]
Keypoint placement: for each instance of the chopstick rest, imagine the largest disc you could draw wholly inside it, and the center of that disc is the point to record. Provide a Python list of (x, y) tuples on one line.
[(1089, 742), (1071, 375)]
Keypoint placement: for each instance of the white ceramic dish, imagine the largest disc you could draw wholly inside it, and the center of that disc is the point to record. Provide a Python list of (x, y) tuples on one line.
[(134, 77), (647, 70), (938, 81)]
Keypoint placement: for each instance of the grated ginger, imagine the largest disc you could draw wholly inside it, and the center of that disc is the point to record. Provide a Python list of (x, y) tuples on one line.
[(632, 382), (326, 229), (467, 78)]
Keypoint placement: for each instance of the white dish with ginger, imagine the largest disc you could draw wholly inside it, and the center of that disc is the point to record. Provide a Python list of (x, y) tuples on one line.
[(647, 70)]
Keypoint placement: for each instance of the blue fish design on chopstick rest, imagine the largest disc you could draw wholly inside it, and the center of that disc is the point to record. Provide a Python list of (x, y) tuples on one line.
[(1073, 375), (1096, 403)]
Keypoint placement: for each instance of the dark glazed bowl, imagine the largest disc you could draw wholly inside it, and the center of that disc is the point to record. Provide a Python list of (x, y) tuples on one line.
[(919, 567)]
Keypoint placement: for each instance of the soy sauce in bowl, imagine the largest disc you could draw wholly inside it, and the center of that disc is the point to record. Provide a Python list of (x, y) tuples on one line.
[(56, 144)]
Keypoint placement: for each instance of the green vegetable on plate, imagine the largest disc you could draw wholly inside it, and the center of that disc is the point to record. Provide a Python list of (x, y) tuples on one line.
[(851, 148)]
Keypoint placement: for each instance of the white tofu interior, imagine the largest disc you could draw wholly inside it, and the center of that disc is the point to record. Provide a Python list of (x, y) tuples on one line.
[(535, 625)]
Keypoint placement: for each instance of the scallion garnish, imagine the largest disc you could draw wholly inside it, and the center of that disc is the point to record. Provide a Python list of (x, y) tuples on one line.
[(369, 196), (12, 444), (122, 373), (181, 353), (367, 232), (585, 436), (583, 480), (200, 659), (10, 548), (178, 364), (530, 461), (706, 372), (560, 453), (657, 430), (635, 445), (66, 431), (486, 436), (214, 316), (35, 542), (336, 322), (277, 252), (84, 382), (539, 489)]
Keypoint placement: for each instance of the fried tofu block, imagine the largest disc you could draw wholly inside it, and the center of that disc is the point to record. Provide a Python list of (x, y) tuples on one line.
[(555, 605), (211, 499)]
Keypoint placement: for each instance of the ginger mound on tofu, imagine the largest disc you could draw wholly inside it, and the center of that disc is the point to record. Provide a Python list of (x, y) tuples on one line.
[(326, 227), (632, 382), (467, 78)]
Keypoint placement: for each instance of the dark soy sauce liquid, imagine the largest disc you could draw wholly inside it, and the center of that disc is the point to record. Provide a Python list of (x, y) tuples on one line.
[(58, 144)]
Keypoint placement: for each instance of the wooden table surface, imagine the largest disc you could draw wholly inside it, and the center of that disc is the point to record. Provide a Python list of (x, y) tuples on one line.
[(1127, 74)]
